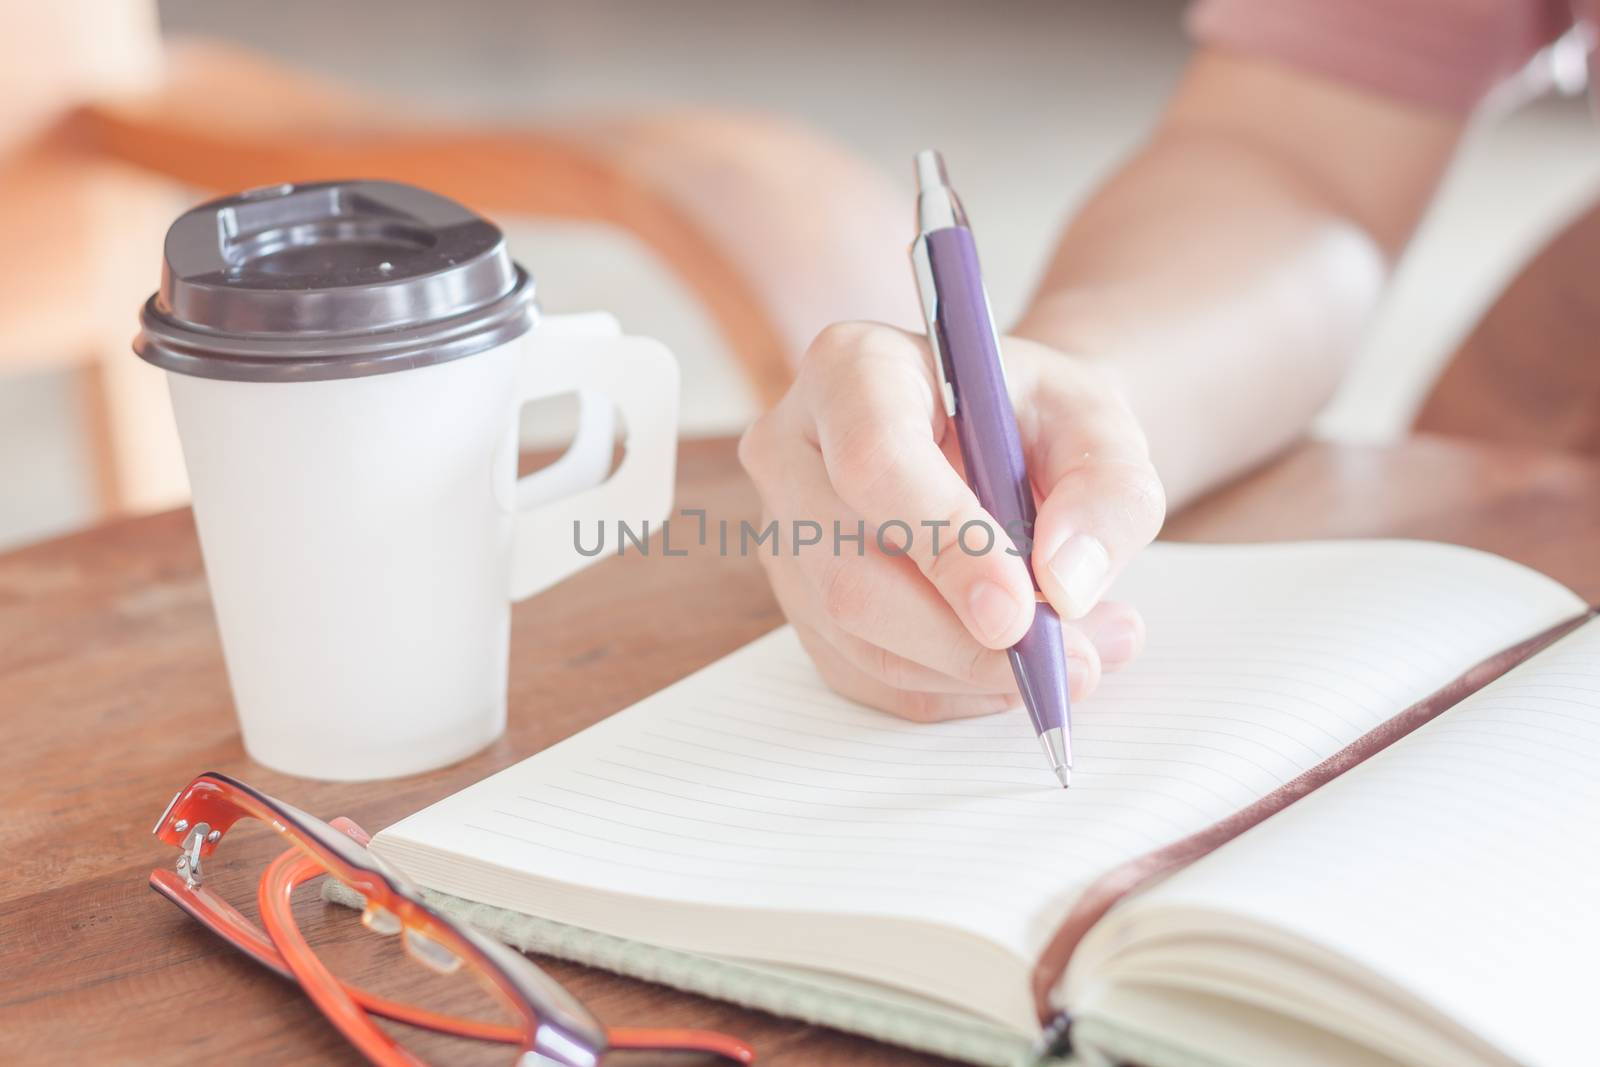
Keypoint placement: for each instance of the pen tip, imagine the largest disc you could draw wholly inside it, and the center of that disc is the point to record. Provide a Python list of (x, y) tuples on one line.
[(930, 170), (1059, 752)]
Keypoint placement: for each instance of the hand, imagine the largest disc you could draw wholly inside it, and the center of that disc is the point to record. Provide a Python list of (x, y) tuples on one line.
[(859, 438)]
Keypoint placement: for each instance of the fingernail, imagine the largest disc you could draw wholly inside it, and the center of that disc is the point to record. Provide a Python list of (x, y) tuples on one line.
[(1081, 566), (993, 610), (1077, 676), (1117, 642)]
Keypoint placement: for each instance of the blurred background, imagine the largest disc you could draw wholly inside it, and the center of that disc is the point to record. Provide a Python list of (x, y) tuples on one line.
[(1031, 101)]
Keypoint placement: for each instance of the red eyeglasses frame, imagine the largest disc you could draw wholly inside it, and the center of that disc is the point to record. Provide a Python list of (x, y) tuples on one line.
[(553, 1023)]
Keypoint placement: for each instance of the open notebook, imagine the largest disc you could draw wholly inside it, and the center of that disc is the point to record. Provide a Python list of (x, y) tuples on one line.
[(749, 834)]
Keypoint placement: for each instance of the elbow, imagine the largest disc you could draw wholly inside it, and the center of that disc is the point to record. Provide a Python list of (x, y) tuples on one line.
[(1329, 302)]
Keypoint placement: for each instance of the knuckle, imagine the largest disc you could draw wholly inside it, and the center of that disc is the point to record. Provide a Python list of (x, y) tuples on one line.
[(834, 352), (776, 568), (756, 446), (925, 707), (1144, 498), (751, 447), (847, 355), (862, 457), (836, 679), (847, 595), (842, 336), (1125, 495), (1099, 382), (972, 659), (893, 670), (835, 673), (920, 707), (960, 549)]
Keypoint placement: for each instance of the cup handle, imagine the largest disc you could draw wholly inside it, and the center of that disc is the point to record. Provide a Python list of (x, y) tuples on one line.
[(634, 376)]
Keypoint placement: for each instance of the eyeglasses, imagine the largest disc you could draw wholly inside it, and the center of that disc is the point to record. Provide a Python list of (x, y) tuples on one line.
[(516, 1003)]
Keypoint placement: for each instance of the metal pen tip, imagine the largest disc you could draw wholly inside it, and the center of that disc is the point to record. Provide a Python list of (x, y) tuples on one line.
[(937, 204), (930, 170), (1056, 750)]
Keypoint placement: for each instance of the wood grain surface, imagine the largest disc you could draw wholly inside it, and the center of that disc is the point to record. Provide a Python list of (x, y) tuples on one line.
[(1528, 373), (113, 695)]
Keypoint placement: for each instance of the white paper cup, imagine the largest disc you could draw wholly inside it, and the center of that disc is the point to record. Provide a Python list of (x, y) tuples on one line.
[(364, 534)]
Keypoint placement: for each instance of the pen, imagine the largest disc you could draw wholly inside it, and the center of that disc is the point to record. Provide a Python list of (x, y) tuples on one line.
[(972, 387)]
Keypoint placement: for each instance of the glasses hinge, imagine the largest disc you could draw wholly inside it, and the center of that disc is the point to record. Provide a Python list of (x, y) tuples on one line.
[(189, 859)]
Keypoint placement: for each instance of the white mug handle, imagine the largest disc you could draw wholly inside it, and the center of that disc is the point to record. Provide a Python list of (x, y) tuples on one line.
[(587, 355)]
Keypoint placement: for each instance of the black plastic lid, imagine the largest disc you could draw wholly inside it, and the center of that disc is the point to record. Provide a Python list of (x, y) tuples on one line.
[(330, 280)]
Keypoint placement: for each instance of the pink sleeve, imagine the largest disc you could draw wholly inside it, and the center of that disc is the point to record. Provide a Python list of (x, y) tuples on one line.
[(1442, 53)]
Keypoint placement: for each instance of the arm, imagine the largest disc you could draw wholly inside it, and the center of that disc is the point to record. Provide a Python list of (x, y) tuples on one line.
[(1224, 275), (1217, 283)]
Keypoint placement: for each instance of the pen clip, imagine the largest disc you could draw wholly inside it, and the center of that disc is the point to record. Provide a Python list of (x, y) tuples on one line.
[(930, 314)]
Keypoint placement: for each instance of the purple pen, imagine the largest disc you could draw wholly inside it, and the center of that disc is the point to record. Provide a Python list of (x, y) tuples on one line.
[(972, 384)]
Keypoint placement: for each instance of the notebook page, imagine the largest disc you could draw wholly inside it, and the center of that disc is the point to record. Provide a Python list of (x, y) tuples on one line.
[(1461, 865), (751, 789)]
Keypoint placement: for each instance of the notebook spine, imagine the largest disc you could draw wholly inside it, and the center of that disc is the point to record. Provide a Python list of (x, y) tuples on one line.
[(1119, 882)]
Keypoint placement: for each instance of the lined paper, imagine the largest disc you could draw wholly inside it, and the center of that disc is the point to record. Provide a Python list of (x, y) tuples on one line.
[(1461, 864), (751, 789)]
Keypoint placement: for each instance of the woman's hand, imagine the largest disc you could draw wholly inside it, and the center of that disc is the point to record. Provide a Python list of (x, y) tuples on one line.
[(918, 625)]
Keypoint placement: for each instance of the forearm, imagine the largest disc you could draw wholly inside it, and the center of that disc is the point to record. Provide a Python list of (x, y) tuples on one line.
[(1224, 276), (1224, 300)]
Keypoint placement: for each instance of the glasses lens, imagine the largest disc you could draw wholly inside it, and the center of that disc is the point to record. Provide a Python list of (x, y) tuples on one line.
[(434, 989), (372, 950)]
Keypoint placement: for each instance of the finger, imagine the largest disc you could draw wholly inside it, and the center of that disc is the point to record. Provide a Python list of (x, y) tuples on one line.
[(882, 600), (878, 612), (871, 398), (1083, 662), (1084, 656), (1102, 500), (845, 678), (798, 599), (916, 705), (1117, 632)]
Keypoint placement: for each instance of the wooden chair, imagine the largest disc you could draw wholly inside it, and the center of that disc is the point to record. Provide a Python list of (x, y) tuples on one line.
[(1529, 372), (80, 230), (776, 230)]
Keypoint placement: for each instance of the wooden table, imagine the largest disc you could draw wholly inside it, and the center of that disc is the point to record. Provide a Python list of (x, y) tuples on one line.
[(113, 692)]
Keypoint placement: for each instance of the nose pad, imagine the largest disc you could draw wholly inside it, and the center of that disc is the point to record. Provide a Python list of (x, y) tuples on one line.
[(431, 954), (380, 920)]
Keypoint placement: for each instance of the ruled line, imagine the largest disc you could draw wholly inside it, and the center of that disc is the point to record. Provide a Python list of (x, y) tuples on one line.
[(751, 782)]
